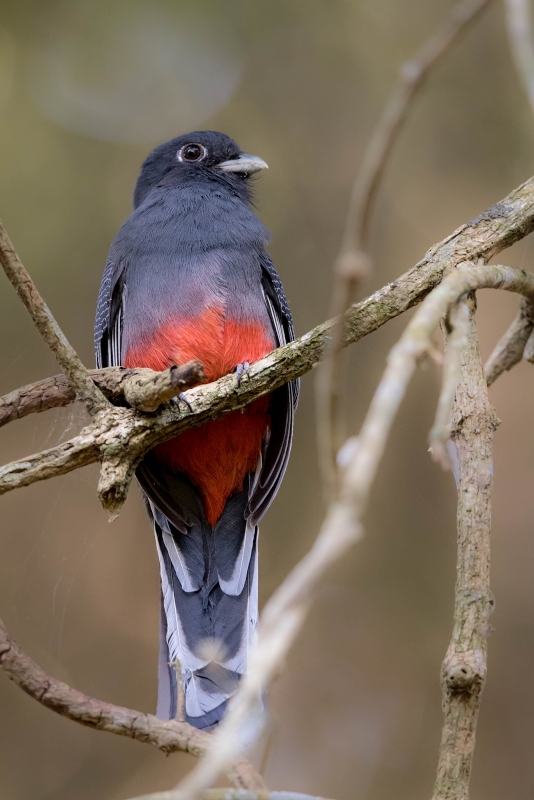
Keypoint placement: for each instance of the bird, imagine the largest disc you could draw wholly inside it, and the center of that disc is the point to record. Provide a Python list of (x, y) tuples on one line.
[(188, 276)]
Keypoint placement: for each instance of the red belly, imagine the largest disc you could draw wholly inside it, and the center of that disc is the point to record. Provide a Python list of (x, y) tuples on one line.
[(217, 456)]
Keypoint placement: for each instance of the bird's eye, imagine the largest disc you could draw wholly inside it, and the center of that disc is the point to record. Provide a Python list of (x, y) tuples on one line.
[(192, 152)]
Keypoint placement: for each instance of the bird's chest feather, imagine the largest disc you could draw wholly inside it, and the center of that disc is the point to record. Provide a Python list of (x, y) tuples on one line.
[(217, 456), (213, 338)]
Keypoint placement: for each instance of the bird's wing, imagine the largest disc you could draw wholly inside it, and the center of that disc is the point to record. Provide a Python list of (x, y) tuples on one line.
[(109, 315), (277, 444)]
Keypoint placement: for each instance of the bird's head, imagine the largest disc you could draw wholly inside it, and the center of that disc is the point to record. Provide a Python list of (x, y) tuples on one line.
[(196, 156)]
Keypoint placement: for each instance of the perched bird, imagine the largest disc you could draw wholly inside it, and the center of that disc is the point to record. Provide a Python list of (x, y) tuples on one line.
[(188, 277)]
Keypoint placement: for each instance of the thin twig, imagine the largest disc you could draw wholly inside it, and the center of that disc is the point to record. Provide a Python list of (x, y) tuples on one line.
[(124, 436), (519, 24), (463, 672), (354, 260), (47, 326), (511, 347), (286, 611), (169, 736)]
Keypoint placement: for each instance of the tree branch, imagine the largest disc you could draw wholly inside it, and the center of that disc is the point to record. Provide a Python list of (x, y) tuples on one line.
[(464, 668), (510, 349), (167, 736), (141, 388), (47, 326), (147, 390), (122, 436)]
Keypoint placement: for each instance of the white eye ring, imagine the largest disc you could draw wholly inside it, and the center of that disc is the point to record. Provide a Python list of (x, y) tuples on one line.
[(181, 155)]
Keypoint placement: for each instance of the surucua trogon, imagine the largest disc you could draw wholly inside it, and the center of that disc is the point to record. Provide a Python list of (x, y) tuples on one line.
[(188, 277)]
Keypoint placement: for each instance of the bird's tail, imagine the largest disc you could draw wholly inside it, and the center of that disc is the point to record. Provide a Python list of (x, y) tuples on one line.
[(209, 612)]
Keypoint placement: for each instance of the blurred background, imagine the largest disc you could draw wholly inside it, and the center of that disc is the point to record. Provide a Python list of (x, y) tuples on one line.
[(86, 90)]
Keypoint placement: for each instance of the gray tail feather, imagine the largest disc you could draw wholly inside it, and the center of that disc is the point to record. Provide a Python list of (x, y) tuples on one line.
[(167, 685), (208, 621)]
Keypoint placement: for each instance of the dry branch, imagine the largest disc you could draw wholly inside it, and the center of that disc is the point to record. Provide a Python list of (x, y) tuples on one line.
[(353, 263), (464, 668), (118, 384), (285, 612), (147, 390), (511, 347), (47, 326), (56, 695), (122, 436)]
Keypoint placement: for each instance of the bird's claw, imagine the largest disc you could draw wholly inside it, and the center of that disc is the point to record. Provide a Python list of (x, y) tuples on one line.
[(240, 369), (183, 398)]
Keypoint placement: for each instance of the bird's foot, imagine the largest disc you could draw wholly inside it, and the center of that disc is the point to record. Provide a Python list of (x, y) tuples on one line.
[(242, 369), (181, 398)]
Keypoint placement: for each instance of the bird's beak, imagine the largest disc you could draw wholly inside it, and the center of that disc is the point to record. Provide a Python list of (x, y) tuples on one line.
[(245, 163)]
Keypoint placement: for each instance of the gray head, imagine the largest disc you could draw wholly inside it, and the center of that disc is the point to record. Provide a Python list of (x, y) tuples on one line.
[(199, 156)]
